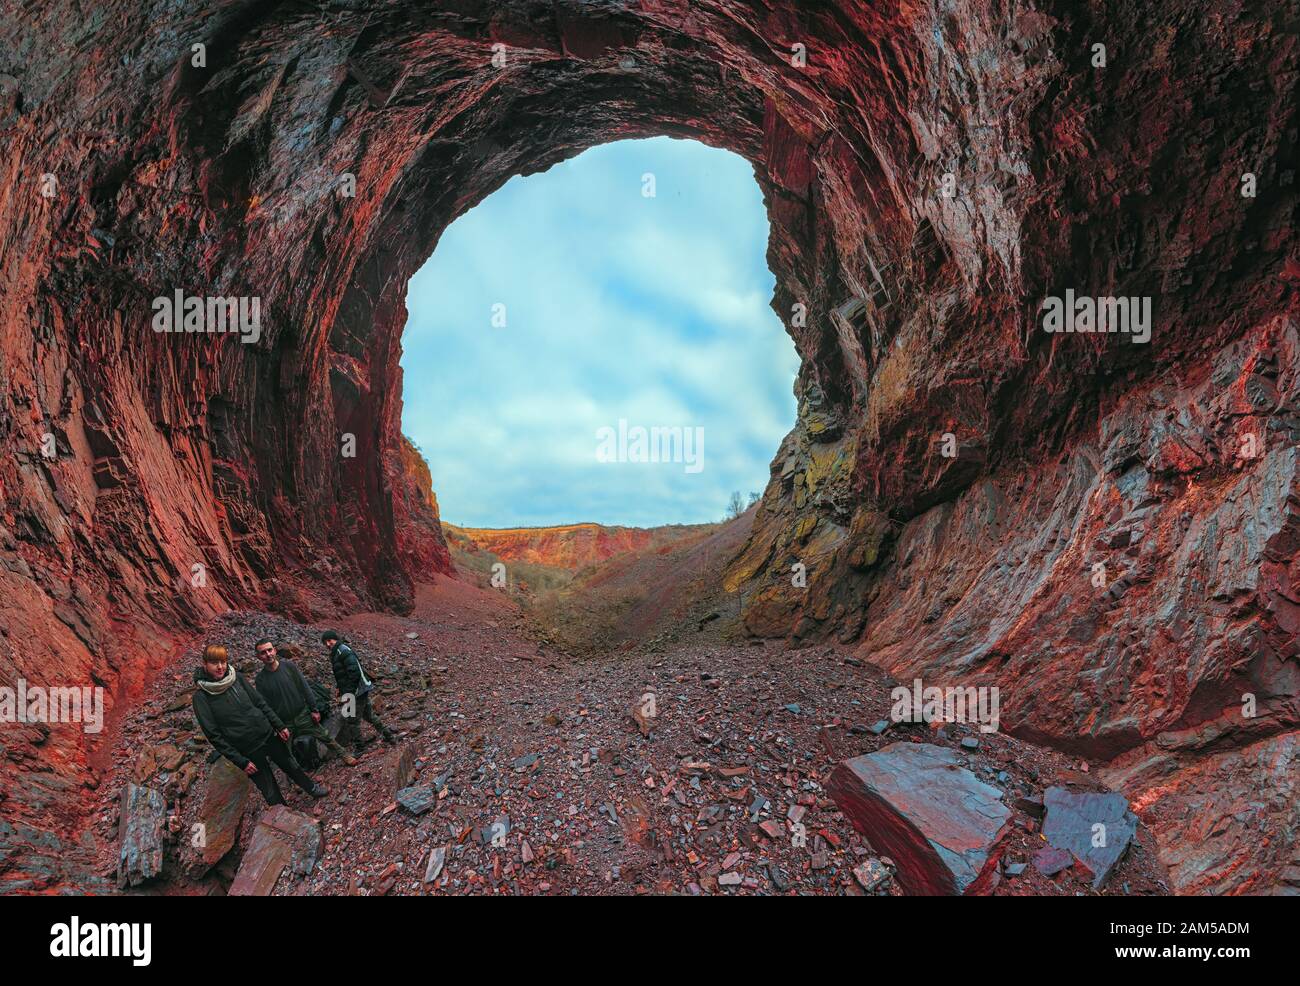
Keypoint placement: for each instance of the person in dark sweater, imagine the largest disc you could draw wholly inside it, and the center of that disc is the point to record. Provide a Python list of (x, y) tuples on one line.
[(289, 695), (244, 728), (352, 682)]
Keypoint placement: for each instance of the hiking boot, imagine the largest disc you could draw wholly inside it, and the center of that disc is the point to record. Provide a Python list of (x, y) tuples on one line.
[(319, 791), (390, 737), (350, 760)]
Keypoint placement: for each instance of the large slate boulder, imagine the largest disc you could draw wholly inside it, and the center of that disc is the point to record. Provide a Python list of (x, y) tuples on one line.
[(142, 824), (938, 822), (224, 802), (283, 837), (1077, 821)]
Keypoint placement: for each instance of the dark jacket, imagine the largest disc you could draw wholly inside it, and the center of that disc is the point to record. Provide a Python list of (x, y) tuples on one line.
[(286, 691), (348, 675), (238, 721)]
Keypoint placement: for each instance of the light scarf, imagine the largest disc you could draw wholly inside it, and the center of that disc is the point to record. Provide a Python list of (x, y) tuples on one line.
[(217, 687)]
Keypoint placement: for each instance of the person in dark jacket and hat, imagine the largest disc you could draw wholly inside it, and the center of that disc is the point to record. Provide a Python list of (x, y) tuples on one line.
[(352, 682), (244, 729)]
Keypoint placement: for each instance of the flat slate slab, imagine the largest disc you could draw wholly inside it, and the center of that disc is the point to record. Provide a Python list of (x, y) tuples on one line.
[(933, 817), (416, 800), (142, 823), (437, 859), (1077, 821), (283, 837)]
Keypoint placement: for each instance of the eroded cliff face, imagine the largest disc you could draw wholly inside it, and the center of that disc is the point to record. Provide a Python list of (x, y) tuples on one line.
[(419, 537), (311, 155)]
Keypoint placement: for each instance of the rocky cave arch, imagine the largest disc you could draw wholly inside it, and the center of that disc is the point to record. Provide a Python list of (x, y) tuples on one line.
[(222, 174)]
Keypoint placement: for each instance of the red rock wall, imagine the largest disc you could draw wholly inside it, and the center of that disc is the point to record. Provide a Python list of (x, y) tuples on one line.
[(227, 178), (419, 531)]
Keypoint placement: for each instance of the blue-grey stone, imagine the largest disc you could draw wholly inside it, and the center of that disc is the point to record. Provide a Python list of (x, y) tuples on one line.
[(1077, 821)]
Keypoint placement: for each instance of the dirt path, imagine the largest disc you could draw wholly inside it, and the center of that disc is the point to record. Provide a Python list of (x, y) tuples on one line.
[(543, 752)]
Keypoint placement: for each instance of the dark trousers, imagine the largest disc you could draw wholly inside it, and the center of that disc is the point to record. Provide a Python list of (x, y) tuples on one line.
[(350, 727), (277, 751)]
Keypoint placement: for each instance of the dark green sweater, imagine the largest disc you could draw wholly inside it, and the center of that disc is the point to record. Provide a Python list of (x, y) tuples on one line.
[(286, 691)]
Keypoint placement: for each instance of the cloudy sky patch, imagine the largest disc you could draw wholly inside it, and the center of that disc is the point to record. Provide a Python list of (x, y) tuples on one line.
[(654, 310)]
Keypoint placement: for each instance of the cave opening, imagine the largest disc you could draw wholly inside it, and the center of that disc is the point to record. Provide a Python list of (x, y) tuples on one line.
[(595, 343)]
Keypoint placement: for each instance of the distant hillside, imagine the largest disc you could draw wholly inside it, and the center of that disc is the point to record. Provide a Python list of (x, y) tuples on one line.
[(654, 596), (589, 588), (538, 559), (473, 563), (572, 546)]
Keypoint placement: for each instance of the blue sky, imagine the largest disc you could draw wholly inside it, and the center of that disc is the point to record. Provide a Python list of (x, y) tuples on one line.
[(617, 306)]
